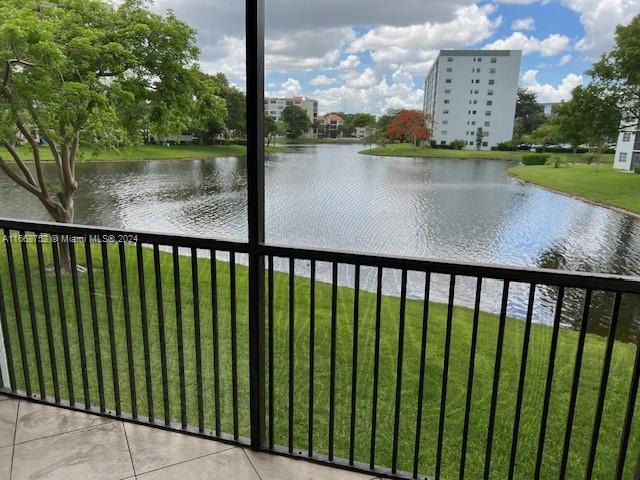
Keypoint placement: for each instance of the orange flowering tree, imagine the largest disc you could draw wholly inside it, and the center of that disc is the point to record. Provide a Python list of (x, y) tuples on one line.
[(409, 125)]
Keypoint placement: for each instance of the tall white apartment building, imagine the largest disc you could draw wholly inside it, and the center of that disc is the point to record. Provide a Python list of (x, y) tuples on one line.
[(275, 106), (467, 90), (628, 148)]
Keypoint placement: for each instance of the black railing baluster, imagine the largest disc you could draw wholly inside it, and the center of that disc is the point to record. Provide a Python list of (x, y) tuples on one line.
[(162, 335), (47, 318), (177, 287), (472, 363), (576, 382), (628, 418), (32, 314), (127, 326), (234, 344), (142, 291), (63, 321), (332, 368), (354, 363), (400, 360), (292, 339), (17, 311), (312, 352), (376, 370), (496, 380), (94, 320), (445, 376), (271, 353), (8, 351), (77, 300), (549, 383), (521, 381), (111, 326), (423, 366), (216, 341), (195, 285), (603, 384)]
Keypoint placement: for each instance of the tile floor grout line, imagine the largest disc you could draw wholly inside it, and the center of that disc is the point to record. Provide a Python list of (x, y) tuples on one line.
[(64, 433), (186, 461), (13, 447), (251, 463), (126, 438)]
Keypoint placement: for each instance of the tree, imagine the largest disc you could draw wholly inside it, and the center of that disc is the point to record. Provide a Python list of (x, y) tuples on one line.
[(616, 77), (480, 135), (270, 128), (408, 125), (385, 120), (587, 117), (209, 111), (236, 123), (296, 119), (529, 113), (546, 134), (88, 74)]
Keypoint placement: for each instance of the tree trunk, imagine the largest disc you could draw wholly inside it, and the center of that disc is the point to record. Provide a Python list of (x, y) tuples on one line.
[(65, 214)]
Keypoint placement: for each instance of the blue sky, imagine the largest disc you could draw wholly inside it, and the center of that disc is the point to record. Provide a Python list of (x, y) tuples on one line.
[(372, 55)]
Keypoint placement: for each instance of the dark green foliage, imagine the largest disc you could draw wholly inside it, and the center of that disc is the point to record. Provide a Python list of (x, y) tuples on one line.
[(535, 159)]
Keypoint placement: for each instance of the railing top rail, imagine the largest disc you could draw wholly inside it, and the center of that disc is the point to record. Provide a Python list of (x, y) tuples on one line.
[(567, 279), (171, 240), (538, 276)]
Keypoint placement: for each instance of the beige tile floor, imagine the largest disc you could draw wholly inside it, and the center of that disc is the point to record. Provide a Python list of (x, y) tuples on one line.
[(42, 442)]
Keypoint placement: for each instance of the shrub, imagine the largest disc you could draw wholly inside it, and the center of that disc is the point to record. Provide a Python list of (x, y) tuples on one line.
[(637, 169), (509, 146), (556, 161), (457, 144), (535, 159), (591, 157)]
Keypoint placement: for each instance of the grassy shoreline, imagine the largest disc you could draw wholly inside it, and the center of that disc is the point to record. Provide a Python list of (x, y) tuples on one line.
[(157, 152), (407, 150), (601, 185), (462, 322)]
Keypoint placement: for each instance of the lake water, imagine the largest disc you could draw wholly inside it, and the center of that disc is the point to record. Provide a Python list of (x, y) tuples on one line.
[(329, 196)]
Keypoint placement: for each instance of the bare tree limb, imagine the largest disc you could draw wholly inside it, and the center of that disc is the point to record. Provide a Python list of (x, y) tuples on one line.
[(36, 156), (23, 167), (20, 181)]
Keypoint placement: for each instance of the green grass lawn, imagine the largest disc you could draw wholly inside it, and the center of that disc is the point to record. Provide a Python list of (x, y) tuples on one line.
[(408, 150), (156, 152), (615, 405), (600, 184)]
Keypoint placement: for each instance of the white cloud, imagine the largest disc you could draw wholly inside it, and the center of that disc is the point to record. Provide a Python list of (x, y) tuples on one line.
[(548, 47), (291, 87), (547, 92), (349, 63), (565, 59), (366, 79), (526, 23), (322, 80), (599, 19)]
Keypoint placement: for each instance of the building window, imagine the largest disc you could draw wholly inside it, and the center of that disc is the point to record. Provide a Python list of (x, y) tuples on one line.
[(479, 59), (623, 157), (492, 82), (442, 142), (487, 113), (487, 124), (477, 80), (448, 80), (494, 60), (489, 103), (444, 132), (471, 143), (626, 137), (449, 59), (473, 112), (485, 144), (448, 90), (475, 102), (445, 122), (475, 91), (490, 93), (492, 70), (473, 122), (445, 112), (449, 69), (446, 100)]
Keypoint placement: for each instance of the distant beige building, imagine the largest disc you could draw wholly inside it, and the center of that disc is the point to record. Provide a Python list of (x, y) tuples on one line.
[(328, 126), (274, 106)]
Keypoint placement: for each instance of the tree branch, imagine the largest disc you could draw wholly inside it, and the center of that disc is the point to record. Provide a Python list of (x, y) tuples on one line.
[(36, 156), (20, 181), (16, 157)]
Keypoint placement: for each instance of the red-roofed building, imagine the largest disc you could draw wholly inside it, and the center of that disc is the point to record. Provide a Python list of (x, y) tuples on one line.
[(329, 125)]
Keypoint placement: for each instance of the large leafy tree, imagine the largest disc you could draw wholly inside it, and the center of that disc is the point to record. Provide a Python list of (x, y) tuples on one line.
[(236, 100), (616, 77), (408, 125), (87, 74), (529, 113), (296, 119), (588, 117)]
